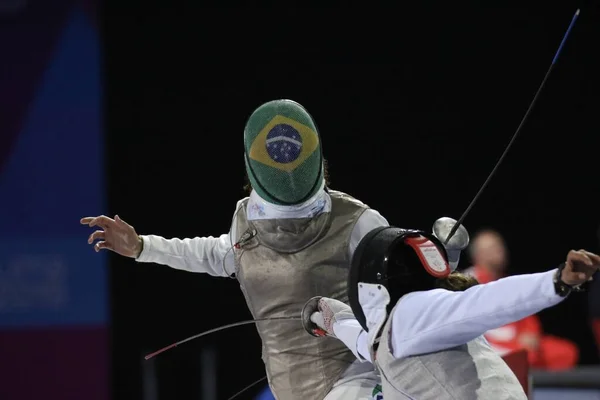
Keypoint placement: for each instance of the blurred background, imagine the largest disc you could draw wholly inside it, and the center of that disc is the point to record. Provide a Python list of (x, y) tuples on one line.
[(54, 292), (138, 109)]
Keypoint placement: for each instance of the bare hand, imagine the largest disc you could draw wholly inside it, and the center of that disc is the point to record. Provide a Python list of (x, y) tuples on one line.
[(116, 235), (579, 267)]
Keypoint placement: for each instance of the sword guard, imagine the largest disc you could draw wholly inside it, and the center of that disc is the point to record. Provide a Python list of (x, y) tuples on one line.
[(442, 228), (311, 307)]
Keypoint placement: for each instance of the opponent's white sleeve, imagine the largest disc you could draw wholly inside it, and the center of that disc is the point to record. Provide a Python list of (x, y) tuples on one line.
[(354, 337), (348, 331), (211, 255), (369, 220), (439, 319), (362, 347)]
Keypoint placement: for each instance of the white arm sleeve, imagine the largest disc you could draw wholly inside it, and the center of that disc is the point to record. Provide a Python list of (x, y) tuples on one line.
[(348, 331), (211, 255), (369, 220), (362, 347), (439, 319)]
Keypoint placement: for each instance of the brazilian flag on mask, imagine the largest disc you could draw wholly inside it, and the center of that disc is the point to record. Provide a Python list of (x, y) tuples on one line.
[(283, 155)]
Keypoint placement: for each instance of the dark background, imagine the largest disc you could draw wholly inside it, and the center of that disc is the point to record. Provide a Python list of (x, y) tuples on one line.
[(414, 108)]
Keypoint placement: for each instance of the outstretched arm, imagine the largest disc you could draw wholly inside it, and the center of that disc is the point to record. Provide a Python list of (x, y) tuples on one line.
[(211, 255), (438, 319)]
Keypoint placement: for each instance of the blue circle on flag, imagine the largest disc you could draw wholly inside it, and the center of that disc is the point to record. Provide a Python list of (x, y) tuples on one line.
[(284, 143)]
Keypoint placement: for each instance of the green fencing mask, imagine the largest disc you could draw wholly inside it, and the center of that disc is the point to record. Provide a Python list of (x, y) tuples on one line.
[(283, 154)]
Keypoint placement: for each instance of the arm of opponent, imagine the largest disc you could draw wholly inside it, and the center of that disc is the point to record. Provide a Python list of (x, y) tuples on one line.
[(438, 319)]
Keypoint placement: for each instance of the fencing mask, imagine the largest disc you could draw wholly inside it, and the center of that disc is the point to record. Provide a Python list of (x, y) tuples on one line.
[(388, 263), (283, 155)]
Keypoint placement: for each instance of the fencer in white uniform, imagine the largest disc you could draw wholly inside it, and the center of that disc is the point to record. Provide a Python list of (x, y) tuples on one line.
[(423, 325)]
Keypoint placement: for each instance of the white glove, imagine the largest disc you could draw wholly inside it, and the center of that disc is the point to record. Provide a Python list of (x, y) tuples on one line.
[(329, 312), (457, 243), (322, 316)]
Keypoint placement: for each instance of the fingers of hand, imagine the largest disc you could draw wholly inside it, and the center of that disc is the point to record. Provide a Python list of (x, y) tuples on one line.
[(102, 221), (101, 245), (317, 319), (594, 257), (95, 236), (324, 307), (327, 314), (579, 256)]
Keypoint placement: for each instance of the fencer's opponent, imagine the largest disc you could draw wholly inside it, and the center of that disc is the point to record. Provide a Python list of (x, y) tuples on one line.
[(422, 324), (291, 239)]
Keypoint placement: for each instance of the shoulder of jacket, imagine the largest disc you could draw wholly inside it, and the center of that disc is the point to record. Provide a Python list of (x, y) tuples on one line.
[(336, 194)]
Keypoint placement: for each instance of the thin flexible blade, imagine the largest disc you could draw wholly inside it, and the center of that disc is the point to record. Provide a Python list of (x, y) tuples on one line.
[(218, 329), (514, 137)]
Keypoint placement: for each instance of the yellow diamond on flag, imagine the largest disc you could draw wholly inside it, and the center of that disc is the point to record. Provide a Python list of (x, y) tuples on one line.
[(284, 144)]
